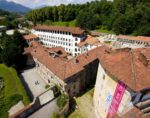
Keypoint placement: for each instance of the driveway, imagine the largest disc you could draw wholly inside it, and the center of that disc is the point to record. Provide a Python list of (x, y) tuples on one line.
[(33, 82), (46, 111)]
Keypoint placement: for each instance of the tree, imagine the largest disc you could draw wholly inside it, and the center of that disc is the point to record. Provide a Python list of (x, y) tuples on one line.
[(87, 20), (62, 100), (12, 48)]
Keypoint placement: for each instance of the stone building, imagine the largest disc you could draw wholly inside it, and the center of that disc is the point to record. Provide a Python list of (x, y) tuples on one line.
[(72, 75), (122, 87)]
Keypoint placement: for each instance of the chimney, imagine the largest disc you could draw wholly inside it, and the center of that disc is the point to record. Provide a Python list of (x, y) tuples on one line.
[(143, 59), (76, 61)]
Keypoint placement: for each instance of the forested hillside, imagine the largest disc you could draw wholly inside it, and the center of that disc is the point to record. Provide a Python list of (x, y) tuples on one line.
[(120, 16)]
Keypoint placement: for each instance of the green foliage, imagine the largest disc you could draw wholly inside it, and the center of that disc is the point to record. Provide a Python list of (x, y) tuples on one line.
[(62, 100), (107, 42), (12, 92), (56, 91), (12, 48), (120, 16), (55, 115), (3, 12), (47, 86)]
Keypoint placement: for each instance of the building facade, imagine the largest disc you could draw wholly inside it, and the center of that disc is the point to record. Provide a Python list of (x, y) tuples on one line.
[(72, 75), (55, 36), (123, 41), (122, 85)]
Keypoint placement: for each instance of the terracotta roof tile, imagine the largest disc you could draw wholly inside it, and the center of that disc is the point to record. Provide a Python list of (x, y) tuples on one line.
[(123, 64), (89, 40), (30, 37), (73, 30), (136, 38)]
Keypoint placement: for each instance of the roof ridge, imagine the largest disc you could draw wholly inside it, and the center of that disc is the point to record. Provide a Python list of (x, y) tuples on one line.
[(133, 69)]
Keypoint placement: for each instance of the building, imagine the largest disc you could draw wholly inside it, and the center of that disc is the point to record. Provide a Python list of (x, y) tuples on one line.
[(122, 87), (55, 36), (30, 38), (72, 75), (88, 43), (123, 41)]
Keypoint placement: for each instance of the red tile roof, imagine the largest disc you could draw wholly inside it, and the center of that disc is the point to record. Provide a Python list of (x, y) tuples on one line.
[(125, 65), (30, 37), (136, 38), (89, 40), (73, 30)]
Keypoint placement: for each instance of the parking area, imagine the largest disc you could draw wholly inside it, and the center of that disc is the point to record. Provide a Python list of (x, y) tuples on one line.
[(33, 82)]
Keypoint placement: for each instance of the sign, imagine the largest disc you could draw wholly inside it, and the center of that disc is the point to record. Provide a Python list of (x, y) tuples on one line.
[(119, 92)]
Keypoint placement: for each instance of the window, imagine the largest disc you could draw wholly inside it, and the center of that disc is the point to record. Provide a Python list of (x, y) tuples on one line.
[(74, 87), (76, 39), (103, 77), (75, 49)]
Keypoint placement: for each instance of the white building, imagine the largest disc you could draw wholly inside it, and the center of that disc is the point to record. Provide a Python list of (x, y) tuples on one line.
[(123, 41), (55, 36)]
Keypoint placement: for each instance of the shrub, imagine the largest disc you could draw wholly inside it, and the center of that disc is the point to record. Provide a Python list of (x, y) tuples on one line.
[(55, 115), (47, 86), (56, 91), (62, 100)]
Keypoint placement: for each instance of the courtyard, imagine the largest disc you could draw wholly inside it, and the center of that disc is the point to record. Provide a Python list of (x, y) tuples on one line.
[(34, 84)]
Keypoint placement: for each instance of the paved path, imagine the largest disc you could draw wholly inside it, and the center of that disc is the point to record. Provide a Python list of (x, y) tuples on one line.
[(46, 111), (34, 82), (14, 109)]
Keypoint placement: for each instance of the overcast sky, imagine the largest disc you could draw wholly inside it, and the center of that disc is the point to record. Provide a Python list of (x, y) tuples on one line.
[(36, 3)]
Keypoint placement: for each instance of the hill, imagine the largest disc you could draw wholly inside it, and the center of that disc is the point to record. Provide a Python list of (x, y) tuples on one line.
[(13, 7)]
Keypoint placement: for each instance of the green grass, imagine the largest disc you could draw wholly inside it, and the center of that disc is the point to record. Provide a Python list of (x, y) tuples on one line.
[(12, 91), (60, 23), (85, 106), (107, 42), (104, 31)]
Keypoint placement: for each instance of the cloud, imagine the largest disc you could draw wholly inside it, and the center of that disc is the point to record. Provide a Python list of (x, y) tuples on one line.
[(35, 3)]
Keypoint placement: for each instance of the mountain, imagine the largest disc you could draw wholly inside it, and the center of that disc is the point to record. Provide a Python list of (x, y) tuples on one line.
[(13, 7)]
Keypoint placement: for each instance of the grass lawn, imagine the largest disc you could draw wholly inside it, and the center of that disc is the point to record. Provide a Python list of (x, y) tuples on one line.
[(69, 23), (104, 31), (12, 92), (84, 106), (61, 23)]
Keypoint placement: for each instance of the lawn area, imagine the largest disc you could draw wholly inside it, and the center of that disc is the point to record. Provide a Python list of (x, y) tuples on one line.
[(84, 106), (69, 23), (12, 92), (105, 31), (61, 23)]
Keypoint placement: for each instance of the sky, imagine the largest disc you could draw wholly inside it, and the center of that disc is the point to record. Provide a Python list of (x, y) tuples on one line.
[(37, 3)]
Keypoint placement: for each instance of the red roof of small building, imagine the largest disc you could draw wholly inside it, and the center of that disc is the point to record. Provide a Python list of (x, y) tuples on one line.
[(89, 40), (30, 37), (136, 38)]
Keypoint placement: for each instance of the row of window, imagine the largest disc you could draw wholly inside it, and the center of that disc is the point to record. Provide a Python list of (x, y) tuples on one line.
[(52, 45), (56, 32), (58, 42), (56, 38), (132, 41)]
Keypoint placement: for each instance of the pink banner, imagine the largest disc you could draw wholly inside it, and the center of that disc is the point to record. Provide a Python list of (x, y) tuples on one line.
[(119, 92)]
